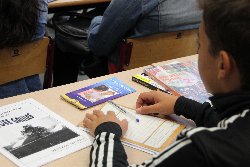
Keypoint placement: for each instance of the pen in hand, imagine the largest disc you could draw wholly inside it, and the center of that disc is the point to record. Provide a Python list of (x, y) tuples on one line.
[(130, 115)]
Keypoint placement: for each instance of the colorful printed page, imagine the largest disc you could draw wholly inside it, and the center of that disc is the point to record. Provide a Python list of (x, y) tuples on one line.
[(150, 133), (181, 77), (98, 93)]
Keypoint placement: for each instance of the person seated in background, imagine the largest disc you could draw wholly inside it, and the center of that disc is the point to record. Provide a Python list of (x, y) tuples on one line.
[(137, 18), (222, 135), (21, 21)]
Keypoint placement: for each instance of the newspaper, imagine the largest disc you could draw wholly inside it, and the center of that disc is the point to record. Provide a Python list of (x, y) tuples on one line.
[(32, 135)]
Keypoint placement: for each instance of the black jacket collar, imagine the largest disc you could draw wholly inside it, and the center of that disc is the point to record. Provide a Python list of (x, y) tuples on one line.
[(230, 104)]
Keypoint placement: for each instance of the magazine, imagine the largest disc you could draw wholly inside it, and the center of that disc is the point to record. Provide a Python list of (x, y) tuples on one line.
[(97, 93), (31, 135), (180, 78), (147, 133)]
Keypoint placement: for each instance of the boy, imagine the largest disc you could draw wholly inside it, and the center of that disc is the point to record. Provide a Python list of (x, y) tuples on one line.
[(223, 130)]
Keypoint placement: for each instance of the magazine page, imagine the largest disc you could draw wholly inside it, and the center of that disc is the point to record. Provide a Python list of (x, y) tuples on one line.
[(185, 79), (32, 135), (98, 93), (182, 77)]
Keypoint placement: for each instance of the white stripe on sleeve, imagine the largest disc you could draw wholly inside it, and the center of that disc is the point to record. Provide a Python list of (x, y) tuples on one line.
[(95, 146), (110, 150), (101, 149)]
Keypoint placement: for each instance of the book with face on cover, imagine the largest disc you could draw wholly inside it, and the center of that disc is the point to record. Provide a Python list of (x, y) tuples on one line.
[(32, 135), (148, 133), (180, 78), (98, 93)]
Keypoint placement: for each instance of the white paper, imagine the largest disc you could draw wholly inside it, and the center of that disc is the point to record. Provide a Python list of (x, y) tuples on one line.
[(151, 131), (32, 135), (149, 151)]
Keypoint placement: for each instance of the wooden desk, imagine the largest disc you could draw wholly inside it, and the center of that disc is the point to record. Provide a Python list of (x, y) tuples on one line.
[(62, 5), (51, 99)]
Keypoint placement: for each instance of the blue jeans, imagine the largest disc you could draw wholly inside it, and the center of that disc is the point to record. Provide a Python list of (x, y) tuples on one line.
[(137, 18), (21, 86)]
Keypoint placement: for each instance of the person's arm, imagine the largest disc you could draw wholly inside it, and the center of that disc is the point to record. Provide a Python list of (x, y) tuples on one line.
[(201, 114), (162, 103), (108, 129), (108, 150), (107, 30), (42, 20)]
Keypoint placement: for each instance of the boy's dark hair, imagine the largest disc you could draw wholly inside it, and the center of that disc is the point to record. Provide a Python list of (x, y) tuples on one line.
[(101, 87), (18, 21), (227, 25)]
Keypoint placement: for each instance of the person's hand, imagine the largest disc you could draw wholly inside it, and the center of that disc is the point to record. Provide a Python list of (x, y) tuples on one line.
[(155, 102), (87, 95), (91, 121)]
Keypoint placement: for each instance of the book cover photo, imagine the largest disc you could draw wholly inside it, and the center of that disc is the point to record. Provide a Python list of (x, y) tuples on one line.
[(181, 78), (98, 93), (31, 135)]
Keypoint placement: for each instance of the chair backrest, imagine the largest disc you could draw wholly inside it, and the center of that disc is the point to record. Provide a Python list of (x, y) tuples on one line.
[(161, 47), (22, 61)]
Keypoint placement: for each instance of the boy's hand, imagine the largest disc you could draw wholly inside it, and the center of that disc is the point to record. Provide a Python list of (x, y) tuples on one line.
[(155, 102), (91, 121)]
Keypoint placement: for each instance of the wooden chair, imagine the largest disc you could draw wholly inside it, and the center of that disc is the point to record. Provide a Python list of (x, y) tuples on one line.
[(22, 61), (156, 48)]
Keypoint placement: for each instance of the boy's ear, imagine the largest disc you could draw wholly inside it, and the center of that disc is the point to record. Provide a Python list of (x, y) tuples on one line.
[(224, 65)]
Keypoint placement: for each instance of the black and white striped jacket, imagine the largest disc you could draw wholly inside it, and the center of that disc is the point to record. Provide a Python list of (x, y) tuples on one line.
[(222, 136)]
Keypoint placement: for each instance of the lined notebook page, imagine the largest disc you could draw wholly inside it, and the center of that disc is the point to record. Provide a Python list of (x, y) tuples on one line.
[(150, 131)]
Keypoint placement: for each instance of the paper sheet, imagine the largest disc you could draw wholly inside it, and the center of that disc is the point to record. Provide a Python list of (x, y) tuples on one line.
[(150, 131)]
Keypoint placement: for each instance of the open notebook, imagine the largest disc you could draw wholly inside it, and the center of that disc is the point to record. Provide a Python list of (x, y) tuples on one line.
[(151, 134)]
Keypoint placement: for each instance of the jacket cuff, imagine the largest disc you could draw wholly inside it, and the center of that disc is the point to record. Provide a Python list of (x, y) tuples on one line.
[(110, 127), (182, 105)]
